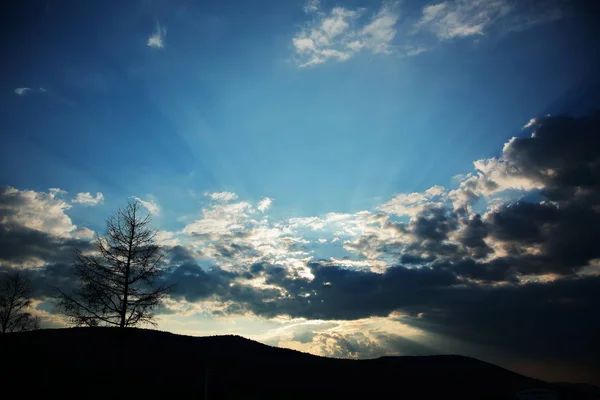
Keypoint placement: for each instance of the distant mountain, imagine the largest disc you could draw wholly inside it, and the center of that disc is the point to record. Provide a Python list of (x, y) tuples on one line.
[(135, 363)]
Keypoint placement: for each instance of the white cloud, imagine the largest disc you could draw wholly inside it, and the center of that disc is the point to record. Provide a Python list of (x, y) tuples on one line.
[(339, 224), (167, 238), (22, 91), (415, 50), (87, 199), (83, 233), (493, 176), (410, 204), (503, 175), (545, 13), (222, 196), (304, 45), (151, 205), (341, 33), (378, 266), (379, 33), (462, 18), (220, 219), (312, 6), (237, 235), (264, 204), (41, 211), (157, 39), (531, 123)]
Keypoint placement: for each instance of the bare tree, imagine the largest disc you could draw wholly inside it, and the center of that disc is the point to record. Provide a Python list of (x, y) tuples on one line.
[(117, 283), (15, 300)]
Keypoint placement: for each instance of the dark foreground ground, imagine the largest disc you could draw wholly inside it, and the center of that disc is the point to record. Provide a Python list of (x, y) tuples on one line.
[(110, 364)]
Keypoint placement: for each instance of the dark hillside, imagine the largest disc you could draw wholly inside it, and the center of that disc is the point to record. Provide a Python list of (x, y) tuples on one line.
[(136, 363)]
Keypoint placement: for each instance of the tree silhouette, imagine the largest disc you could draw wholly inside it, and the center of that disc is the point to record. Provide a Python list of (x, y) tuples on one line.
[(117, 282), (15, 300)]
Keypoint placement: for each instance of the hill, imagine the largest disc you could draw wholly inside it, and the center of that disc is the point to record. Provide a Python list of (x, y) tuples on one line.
[(137, 363)]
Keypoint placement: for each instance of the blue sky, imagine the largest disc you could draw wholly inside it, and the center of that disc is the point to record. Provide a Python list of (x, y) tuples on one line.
[(224, 104), (307, 126)]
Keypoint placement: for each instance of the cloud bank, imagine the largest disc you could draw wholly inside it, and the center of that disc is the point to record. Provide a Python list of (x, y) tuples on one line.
[(506, 262)]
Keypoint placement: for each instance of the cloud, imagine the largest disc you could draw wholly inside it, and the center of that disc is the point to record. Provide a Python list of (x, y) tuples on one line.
[(347, 345), (222, 196), (412, 203), (40, 211), (220, 219), (312, 6), (539, 162), (151, 205), (87, 199), (462, 18), (236, 235), (454, 19), (157, 38), (22, 91), (22, 247), (379, 33), (545, 12), (512, 243), (531, 123), (36, 230), (415, 50), (341, 33), (539, 312), (264, 204)]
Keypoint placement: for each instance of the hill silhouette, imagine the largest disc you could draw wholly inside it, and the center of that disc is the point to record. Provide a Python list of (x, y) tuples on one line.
[(138, 363)]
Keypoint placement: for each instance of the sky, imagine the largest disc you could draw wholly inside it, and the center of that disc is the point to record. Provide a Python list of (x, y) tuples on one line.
[(351, 179)]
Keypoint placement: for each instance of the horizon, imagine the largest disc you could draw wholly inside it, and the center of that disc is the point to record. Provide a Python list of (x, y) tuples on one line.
[(348, 179)]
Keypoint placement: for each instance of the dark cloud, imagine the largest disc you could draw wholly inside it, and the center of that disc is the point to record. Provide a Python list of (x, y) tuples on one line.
[(554, 320), (472, 235), (179, 255), (553, 230), (496, 270), (563, 154), (45, 279), (556, 235), (434, 224), (413, 259), (21, 245), (539, 320), (339, 293), (194, 283), (524, 223), (304, 337), (234, 250)]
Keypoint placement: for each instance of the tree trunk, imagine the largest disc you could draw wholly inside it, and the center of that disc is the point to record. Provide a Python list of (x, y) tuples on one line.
[(126, 289)]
